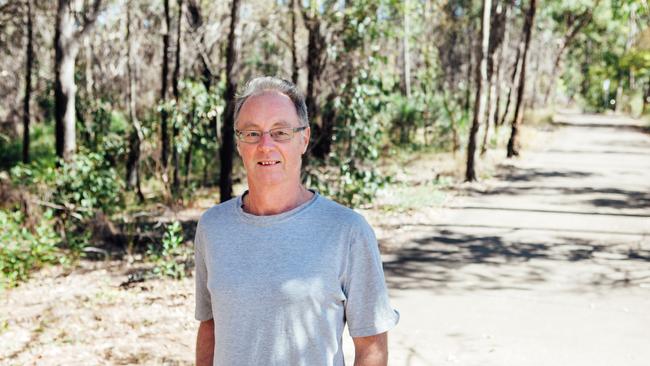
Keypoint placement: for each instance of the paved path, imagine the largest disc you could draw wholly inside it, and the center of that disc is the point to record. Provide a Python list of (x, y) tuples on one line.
[(547, 264)]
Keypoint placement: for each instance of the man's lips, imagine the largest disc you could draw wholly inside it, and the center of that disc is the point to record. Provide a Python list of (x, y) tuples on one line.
[(268, 162)]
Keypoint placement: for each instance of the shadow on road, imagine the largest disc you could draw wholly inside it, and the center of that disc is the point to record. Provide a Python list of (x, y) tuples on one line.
[(439, 261)]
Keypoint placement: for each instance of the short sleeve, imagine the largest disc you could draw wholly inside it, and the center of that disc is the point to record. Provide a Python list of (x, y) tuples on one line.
[(367, 307), (203, 309)]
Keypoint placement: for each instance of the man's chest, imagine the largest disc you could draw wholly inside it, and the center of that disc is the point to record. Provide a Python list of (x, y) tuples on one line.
[(281, 270)]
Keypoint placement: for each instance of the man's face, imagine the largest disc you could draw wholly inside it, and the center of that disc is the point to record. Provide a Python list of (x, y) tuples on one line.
[(270, 162)]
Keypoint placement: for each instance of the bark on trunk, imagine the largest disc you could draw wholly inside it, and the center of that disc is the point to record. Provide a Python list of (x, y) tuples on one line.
[(294, 52), (175, 79), (406, 67), (227, 148), (315, 47), (497, 29), (64, 86), (513, 148), (164, 134), (516, 67), (479, 102), (66, 47), (29, 55), (136, 136)]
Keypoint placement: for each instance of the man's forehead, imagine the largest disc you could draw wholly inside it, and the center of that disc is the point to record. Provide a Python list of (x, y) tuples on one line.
[(274, 124), (268, 108)]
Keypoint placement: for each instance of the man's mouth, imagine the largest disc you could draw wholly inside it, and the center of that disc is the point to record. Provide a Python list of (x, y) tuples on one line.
[(268, 162)]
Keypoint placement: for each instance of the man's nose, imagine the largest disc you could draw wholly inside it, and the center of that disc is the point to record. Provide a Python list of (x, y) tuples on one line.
[(265, 141)]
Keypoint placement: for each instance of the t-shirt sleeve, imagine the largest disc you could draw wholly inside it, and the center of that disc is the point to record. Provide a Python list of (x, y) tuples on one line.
[(367, 307), (203, 309)]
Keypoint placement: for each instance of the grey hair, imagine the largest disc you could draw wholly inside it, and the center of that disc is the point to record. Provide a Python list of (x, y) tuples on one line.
[(263, 84)]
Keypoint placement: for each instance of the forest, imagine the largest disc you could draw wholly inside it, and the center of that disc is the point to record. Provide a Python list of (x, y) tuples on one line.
[(113, 110)]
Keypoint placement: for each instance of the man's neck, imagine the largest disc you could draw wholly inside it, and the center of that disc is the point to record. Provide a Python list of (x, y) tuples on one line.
[(274, 200)]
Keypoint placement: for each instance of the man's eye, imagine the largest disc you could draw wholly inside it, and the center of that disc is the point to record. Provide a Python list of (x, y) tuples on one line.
[(284, 132), (252, 133)]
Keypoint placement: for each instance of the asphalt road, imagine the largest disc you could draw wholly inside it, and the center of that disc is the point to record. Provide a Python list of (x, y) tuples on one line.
[(548, 263)]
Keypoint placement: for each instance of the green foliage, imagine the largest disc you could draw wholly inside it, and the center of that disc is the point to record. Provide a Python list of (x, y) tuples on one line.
[(358, 136), (41, 146), (22, 250), (194, 116), (172, 257), (76, 190)]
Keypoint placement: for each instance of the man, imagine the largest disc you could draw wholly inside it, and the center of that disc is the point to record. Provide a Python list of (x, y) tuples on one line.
[(280, 269)]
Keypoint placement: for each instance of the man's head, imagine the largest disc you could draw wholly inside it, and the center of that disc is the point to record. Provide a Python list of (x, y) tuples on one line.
[(263, 84), (272, 132)]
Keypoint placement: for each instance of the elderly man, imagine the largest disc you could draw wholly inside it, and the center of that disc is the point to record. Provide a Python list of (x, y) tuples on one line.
[(280, 269)]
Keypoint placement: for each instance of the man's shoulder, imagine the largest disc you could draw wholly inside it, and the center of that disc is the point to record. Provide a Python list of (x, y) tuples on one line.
[(332, 210), (218, 212)]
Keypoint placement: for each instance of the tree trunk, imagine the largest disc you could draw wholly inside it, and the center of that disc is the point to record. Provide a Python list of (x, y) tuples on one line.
[(516, 67), (294, 51), (65, 52), (315, 47), (406, 67), (646, 97), (136, 136), (29, 56), (470, 69), (175, 79), (513, 149), (497, 29), (227, 148), (66, 47), (479, 102), (499, 66), (164, 134), (195, 20), (452, 122), (190, 148)]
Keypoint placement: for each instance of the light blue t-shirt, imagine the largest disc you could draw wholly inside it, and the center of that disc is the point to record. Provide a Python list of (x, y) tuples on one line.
[(281, 287)]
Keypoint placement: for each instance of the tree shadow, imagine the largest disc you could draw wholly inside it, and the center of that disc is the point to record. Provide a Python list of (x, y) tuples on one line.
[(520, 174), (615, 198), (454, 259)]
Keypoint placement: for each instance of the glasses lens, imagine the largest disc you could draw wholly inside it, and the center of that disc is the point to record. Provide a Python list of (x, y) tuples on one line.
[(250, 135), (281, 134)]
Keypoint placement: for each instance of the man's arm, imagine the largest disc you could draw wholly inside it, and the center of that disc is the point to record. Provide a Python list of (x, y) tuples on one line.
[(205, 343), (371, 351)]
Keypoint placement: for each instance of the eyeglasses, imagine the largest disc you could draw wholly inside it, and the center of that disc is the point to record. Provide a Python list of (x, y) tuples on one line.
[(277, 134)]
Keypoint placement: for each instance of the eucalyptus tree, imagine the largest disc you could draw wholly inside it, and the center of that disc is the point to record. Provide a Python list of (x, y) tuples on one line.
[(71, 26)]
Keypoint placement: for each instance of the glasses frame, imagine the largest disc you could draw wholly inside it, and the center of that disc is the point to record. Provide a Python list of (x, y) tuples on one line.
[(239, 134)]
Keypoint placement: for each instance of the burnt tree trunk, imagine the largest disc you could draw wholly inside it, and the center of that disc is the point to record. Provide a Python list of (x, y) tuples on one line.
[(227, 147), (479, 102), (513, 149), (67, 36), (164, 133), (315, 47), (294, 52), (29, 56), (176, 92)]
